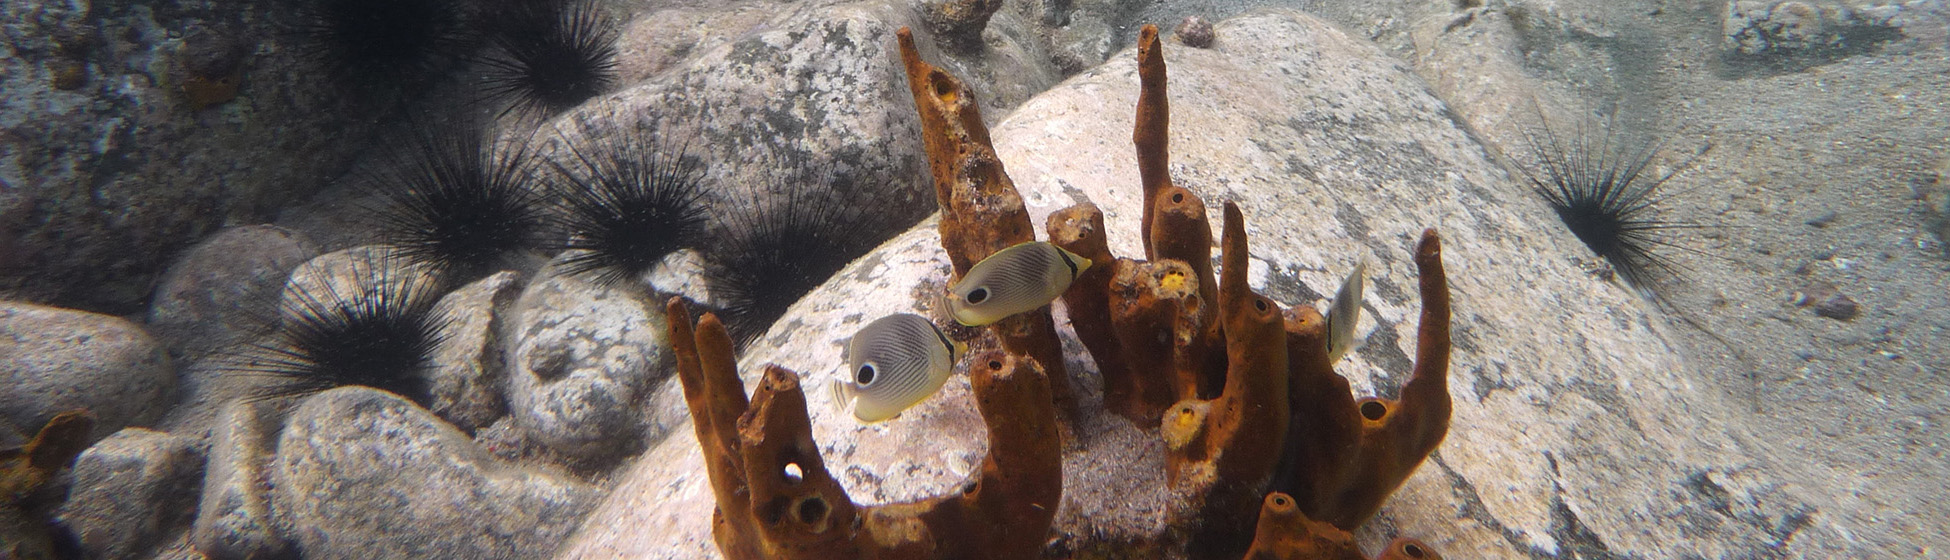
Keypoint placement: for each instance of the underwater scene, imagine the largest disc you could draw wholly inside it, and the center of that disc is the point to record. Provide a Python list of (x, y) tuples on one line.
[(974, 279)]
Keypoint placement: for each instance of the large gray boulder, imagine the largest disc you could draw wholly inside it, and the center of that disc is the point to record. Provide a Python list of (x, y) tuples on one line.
[(811, 92), (117, 156), (60, 359), (1577, 426), (365, 474)]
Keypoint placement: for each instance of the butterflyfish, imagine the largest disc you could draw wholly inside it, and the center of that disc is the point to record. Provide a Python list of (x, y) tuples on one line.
[(1345, 312), (893, 363), (1014, 280)]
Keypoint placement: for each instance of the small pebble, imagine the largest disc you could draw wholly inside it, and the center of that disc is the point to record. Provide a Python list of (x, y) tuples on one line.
[(1838, 307), (1195, 32)]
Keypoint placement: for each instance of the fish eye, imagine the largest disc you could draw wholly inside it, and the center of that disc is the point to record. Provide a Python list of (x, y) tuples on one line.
[(866, 375), (977, 296)]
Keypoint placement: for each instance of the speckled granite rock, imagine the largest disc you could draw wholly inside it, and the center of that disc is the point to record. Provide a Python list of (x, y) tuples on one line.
[(131, 490), (466, 375), (111, 165), (213, 296), (362, 474), (233, 518), (60, 359), (1576, 427), (815, 88), (581, 358)]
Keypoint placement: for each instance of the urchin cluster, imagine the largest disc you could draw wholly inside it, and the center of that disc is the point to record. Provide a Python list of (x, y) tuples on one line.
[(550, 55), (625, 204), (377, 330), (1604, 194), (385, 44), (456, 204), (772, 254)]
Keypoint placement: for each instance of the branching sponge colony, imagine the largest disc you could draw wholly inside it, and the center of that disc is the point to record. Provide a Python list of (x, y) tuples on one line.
[(1268, 455)]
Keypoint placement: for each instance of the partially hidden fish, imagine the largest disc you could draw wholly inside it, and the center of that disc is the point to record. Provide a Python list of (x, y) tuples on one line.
[(1345, 312), (1014, 280), (894, 363)]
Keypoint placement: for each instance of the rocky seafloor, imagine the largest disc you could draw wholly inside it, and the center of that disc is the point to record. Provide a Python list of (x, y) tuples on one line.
[(1727, 415)]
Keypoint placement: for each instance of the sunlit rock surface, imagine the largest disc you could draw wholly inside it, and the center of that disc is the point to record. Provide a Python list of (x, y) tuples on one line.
[(1576, 427)]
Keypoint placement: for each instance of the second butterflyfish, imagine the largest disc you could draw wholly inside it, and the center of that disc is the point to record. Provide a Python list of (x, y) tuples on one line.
[(1014, 280), (1345, 312), (894, 363)]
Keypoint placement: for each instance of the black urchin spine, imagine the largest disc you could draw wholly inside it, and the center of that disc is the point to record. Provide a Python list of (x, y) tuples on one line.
[(625, 204), (1604, 195), (550, 56), (385, 45), (457, 205), (378, 332), (772, 254)]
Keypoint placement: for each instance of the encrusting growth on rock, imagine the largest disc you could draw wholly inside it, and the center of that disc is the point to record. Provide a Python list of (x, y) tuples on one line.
[(1268, 454), (26, 470), (777, 500)]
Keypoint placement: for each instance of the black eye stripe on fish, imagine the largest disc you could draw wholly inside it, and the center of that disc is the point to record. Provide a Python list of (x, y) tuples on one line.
[(945, 343), (1069, 263)]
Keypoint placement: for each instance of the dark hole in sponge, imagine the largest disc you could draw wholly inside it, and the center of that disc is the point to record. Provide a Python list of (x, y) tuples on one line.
[(1373, 410), (813, 510)]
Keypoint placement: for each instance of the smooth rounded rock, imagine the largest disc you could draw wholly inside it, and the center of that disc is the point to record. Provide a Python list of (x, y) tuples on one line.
[(207, 298), (61, 359), (131, 490), (362, 474)]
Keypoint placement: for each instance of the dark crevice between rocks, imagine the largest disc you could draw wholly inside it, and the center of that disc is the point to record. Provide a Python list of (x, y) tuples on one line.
[(1852, 37)]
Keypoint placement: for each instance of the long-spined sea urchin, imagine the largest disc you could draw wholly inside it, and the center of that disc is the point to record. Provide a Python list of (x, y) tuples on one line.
[(549, 56), (625, 204), (381, 45), (771, 254), (1603, 194), (374, 325), (456, 204)]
